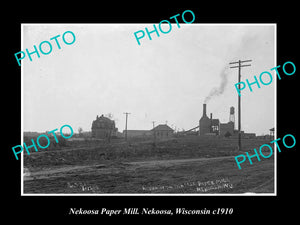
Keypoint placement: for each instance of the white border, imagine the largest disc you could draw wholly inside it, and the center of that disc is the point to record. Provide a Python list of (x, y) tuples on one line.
[(152, 194), (22, 117), (275, 122)]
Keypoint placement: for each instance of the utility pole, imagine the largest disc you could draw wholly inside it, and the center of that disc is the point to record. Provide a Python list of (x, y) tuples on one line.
[(126, 125), (239, 97), (154, 137)]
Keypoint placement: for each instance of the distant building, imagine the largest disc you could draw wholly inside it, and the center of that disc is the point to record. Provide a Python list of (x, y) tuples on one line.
[(138, 133), (248, 135), (162, 131), (267, 136), (226, 128), (210, 126), (103, 128), (243, 135), (213, 127)]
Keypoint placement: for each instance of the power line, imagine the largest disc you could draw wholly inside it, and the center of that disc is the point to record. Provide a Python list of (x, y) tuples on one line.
[(239, 97)]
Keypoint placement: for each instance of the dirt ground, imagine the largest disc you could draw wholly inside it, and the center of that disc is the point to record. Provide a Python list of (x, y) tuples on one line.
[(176, 166)]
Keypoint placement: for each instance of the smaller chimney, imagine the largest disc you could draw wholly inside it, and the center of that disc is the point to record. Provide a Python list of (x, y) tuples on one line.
[(211, 123), (204, 110)]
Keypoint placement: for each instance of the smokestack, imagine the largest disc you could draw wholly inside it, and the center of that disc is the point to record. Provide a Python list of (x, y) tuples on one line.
[(204, 111), (210, 122)]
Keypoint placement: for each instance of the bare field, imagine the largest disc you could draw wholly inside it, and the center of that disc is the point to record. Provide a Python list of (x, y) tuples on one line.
[(182, 165)]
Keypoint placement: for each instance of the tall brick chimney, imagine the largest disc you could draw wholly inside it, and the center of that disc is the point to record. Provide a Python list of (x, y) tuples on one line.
[(204, 111)]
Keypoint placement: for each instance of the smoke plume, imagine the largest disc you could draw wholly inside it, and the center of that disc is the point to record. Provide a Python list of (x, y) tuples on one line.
[(216, 91)]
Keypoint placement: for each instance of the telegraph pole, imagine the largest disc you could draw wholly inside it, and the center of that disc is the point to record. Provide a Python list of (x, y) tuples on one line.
[(153, 123), (239, 97), (126, 125)]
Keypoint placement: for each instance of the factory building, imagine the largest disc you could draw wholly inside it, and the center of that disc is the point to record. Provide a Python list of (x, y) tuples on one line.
[(210, 126), (227, 129), (214, 125), (162, 131), (103, 128), (137, 133)]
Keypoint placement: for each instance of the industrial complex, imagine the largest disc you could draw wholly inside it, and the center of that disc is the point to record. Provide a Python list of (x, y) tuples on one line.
[(104, 128), (210, 126)]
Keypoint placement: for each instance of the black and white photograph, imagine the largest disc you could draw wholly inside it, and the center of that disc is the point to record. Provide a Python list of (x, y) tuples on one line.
[(131, 112), (130, 109)]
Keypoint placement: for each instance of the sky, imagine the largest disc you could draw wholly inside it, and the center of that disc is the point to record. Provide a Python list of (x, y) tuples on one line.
[(166, 79)]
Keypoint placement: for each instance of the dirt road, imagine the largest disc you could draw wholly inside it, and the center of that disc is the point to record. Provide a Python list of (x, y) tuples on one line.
[(140, 168), (105, 168)]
